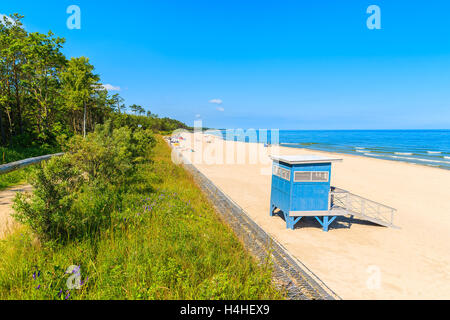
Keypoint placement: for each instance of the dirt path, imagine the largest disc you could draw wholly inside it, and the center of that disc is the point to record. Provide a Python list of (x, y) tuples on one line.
[(6, 200)]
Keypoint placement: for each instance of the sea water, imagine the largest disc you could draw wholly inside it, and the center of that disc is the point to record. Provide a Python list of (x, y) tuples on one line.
[(425, 147)]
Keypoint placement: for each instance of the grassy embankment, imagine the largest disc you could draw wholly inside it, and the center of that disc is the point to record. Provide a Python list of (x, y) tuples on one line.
[(164, 242)]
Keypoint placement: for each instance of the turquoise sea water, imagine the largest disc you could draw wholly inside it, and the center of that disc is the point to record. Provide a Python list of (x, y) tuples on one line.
[(425, 147)]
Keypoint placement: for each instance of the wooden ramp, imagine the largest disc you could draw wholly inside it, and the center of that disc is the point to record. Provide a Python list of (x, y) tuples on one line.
[(346, 202)]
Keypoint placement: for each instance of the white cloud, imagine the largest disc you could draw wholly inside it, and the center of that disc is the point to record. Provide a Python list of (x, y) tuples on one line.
[(110, 87), (197, 115), (216, 101), (220, 109), (2, 16)]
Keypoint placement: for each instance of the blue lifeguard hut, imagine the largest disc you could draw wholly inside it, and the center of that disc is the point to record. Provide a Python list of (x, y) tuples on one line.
[(301, 187)]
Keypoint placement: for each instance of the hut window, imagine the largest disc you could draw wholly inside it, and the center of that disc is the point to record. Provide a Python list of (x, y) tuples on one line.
[(320, 176), (302, 176), (282, 173), (276, 171), (285, 174), (314, 176)]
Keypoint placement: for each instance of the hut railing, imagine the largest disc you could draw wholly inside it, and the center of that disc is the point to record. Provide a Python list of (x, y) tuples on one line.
[(361, 207)]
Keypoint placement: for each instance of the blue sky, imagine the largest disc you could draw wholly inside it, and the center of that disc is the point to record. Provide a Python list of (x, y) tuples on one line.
[(273, 64)]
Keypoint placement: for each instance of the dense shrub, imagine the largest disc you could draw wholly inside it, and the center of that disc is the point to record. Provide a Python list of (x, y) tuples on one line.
[(75, 194), (110, 156)]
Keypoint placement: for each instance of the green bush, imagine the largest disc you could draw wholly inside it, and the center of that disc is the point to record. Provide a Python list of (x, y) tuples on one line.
[(75, 194)]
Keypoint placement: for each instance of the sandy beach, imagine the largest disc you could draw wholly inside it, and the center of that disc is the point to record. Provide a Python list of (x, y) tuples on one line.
[(356, 259)]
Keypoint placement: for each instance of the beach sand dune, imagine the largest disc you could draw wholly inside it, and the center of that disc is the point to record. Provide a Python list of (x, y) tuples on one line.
[(356, 259)]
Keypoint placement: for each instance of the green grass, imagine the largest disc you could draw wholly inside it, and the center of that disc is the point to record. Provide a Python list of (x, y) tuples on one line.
[(8, 155), (167, 243)]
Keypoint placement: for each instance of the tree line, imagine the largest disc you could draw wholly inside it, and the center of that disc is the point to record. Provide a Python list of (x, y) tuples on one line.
[(44, 95)]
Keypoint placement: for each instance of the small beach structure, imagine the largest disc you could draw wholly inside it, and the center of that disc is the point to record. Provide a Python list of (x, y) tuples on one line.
[(301, 186)]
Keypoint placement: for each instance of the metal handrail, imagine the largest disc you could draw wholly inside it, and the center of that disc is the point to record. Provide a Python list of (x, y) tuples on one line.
[(16, 165), (360, 206), (339, 190)]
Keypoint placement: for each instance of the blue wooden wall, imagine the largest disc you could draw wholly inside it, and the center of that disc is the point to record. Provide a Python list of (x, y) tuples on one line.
[(310, 196), (301, 196)]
